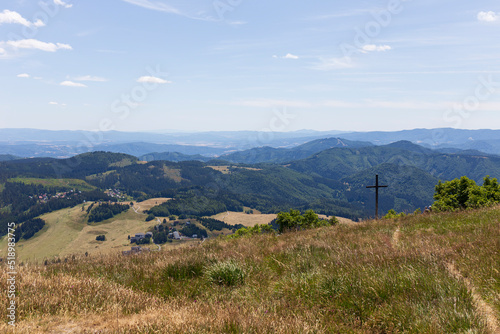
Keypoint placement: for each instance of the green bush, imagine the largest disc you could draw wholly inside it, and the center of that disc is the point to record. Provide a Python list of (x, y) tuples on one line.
[(294, 220), (393, 214), (227, 273), (464, 193), (247, 231)]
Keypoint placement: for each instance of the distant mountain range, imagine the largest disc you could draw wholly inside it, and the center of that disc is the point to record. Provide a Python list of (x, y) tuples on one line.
[(282, 155), (267, 146)]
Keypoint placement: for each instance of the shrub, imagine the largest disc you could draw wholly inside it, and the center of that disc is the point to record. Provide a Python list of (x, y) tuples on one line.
[(248, 231), (393, 214), (464, 193), (227, 273), (294, 220)]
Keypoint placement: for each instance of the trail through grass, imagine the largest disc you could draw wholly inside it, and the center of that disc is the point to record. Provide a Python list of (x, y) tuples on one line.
[(361, 278)]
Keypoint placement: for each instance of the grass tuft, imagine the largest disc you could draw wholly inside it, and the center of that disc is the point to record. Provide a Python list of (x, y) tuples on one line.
[(227, 273)]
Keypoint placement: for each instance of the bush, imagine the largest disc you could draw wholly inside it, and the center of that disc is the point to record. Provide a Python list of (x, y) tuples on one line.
[(293, 220), (248, 231), (391, 214), (227, 273), (150, 217), (100, 238), (464, 193)]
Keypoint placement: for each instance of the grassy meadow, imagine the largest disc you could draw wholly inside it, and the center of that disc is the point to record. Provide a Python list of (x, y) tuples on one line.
[(419, 274), (66, 233), (71, 183)]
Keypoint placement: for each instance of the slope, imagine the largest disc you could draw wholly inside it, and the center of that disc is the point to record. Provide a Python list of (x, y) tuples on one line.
[(282, 155), (341, 162), (342, 279)]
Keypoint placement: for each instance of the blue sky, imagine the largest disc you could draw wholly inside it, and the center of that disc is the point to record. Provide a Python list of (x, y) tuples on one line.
[(148, 65)]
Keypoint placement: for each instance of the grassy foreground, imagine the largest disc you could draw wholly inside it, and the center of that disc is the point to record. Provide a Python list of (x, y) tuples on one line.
[(426, 274)]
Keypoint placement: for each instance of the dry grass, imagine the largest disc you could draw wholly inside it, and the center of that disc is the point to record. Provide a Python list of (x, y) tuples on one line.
[(341, 279), (148, 204), (248, 220), (67, 232), (227, 169)]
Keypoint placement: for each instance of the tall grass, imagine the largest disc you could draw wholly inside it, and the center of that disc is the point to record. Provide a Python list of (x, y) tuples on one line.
[(341, 279)]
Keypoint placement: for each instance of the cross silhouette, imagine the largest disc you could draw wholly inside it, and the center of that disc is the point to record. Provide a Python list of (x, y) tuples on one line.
[(376, 186)]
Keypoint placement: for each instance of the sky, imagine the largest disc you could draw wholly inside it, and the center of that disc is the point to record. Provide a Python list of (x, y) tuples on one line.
[(227, 65)]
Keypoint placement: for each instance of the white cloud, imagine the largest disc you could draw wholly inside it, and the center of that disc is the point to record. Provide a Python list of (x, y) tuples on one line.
[(72, 84), (288, 56), (488, 16), (291, 56), (90, 78), (8, 16), (36, 44), (62, 3), (147, 79), (373, 47), (57, 104), (23, 75)]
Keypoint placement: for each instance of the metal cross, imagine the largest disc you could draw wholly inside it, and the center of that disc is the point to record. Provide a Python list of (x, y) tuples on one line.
[(376, 186)]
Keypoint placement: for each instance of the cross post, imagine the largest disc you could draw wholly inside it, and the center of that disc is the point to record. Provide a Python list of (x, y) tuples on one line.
[(376, 186)]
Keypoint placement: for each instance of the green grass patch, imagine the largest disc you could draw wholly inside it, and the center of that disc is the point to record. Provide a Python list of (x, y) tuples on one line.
[(67, 183)]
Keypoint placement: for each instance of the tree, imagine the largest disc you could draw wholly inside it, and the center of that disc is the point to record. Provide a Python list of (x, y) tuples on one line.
[(464, 193), (289, 220), (309, 219)]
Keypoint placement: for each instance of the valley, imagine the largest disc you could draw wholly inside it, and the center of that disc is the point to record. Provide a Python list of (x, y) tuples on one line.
[(327, 175)]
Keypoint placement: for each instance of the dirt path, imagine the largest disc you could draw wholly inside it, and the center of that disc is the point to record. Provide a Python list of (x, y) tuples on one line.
[(395, 237), (483, 308)]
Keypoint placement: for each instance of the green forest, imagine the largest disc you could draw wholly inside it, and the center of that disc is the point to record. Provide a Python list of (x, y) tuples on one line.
[(332, 180)]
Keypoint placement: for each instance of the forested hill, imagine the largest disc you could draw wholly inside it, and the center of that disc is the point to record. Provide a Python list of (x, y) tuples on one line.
[(78, 166), (338, 163), (332, 181), (283, 155)]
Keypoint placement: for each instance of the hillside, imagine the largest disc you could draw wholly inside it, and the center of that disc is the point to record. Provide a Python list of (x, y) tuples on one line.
[(8, 157), (67, 232), (172, 156), (420, 274), (283, 155), (337, 163)]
